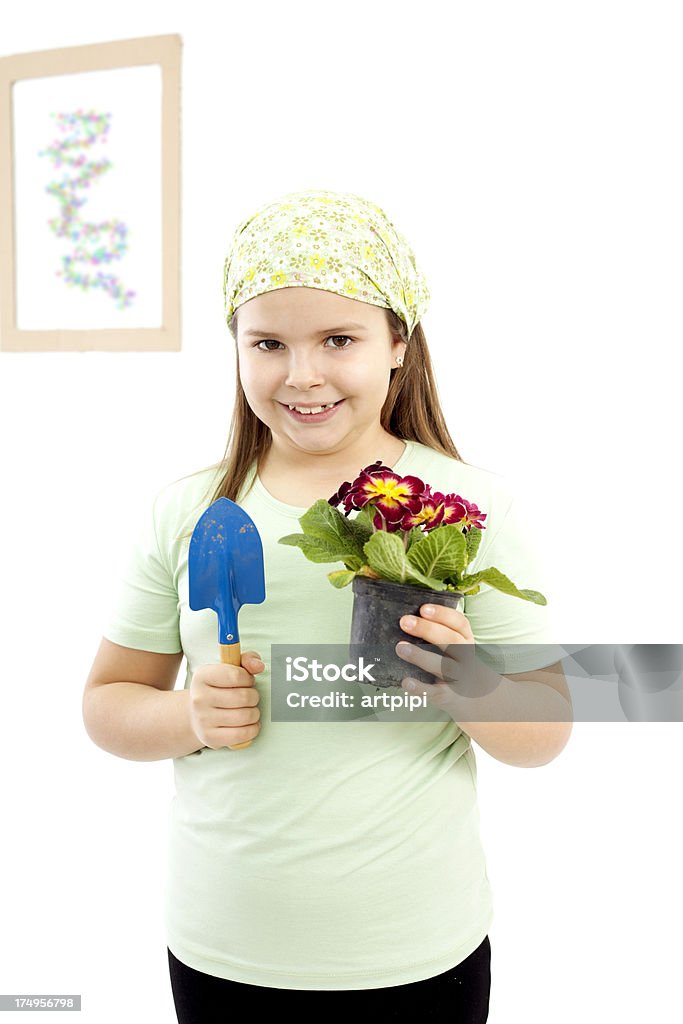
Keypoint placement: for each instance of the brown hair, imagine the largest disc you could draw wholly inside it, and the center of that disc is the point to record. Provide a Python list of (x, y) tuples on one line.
[(411, 411)]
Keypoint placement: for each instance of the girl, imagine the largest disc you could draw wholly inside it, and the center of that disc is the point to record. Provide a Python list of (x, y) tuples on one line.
[(314, 865)]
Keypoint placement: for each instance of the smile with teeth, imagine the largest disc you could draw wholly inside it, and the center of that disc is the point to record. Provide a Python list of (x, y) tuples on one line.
[(312, 409)]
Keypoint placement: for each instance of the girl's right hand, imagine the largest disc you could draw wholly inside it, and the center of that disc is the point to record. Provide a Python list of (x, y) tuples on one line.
[(223, 702)]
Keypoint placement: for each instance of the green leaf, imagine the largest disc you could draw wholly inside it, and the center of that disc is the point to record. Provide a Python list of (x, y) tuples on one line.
[(340, 578), (415, 535), (473, 540), (496, 579), (361, 528), (387, 556), (317, 549), (330, 525), (441, 553), (363, 520)]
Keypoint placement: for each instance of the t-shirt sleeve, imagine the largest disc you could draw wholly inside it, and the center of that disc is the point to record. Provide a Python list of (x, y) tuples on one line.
[(145, 612), (512, 634)]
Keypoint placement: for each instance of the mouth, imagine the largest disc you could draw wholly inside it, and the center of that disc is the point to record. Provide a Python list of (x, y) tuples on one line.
[(312, 417)]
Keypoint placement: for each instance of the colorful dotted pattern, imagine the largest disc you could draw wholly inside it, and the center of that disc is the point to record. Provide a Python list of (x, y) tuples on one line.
[(94, 244)]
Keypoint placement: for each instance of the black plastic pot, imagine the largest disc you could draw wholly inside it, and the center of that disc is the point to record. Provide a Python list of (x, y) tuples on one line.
[(378, 605)]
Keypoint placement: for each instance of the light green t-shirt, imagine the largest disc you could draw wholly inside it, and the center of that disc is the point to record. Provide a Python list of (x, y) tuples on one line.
[(326, 855)]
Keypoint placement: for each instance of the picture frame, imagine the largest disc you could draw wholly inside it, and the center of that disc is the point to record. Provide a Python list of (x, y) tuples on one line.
[(90, 197)]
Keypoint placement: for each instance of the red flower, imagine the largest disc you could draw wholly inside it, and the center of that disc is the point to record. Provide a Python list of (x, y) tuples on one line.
[(430, 515), (347, 486), (390, 493), (441, 509), (403, 503), (472, 516)]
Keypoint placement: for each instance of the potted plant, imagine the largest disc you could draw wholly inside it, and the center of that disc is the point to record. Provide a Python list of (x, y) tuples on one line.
[(406, 545)]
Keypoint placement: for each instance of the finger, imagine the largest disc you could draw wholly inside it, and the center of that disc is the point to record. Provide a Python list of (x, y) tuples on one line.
[(450, 665), (224, 676), (239, 717), (447, 617), (462, 673), (427, 660), (253, 656), (436, 631), (236, 697), (235, 737)]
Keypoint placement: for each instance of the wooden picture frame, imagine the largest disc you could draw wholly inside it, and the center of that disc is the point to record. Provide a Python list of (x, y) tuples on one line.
[(90, 198)]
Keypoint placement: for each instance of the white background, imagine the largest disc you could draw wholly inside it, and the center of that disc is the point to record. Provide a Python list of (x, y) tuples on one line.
[(531, 152)]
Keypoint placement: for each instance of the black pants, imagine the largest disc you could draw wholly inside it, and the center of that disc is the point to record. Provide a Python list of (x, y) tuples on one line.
[(460, 996)]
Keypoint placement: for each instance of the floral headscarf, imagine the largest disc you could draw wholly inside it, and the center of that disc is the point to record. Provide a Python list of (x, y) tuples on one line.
[(335, 241)]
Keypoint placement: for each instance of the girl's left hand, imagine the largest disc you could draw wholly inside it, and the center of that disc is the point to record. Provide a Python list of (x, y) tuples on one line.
[(457, 675)]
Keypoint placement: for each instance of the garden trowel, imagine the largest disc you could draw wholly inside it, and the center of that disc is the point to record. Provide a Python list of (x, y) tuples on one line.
[(225, 568)]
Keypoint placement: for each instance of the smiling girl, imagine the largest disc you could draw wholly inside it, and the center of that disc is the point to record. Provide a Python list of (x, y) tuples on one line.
[(316, 866), (306, 362)]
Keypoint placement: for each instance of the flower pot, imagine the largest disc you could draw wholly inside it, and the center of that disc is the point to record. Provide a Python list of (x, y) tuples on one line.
[(378, 606)]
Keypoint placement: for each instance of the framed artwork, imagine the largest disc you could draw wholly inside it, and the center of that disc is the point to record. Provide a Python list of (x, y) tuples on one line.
[(90, 197)]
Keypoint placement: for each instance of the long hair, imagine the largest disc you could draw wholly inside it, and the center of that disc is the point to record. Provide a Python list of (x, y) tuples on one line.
[(411, 411)]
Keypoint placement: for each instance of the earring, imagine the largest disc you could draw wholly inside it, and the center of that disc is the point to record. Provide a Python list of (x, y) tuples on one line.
[(399, 360)]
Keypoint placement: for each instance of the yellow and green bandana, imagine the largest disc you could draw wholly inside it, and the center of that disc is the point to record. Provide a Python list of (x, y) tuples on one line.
[(335, 241)]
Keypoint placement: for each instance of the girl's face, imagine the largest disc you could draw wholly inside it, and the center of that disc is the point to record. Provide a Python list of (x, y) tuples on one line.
[(306, 346)]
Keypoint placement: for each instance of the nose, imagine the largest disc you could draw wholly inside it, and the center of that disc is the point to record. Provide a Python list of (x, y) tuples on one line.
[(303, 372)]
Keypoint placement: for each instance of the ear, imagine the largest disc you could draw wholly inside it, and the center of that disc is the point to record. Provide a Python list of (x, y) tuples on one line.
[(398, 348)]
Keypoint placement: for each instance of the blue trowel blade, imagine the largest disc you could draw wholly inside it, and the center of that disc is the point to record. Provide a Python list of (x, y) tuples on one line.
[(225, 565)]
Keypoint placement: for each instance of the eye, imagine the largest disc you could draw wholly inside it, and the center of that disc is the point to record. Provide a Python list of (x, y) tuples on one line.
[(268, 341), (336, 336)]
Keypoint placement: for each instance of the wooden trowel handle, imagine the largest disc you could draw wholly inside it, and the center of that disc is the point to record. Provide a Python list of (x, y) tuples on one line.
[(231, 655)]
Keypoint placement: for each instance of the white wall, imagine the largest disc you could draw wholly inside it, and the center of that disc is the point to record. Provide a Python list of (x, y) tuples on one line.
[(532, 155)]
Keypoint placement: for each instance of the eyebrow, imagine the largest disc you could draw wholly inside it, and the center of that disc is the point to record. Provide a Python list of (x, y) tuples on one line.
[(350, 326)]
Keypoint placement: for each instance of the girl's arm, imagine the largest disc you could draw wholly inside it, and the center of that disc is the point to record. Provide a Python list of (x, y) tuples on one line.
[(526, 717), (130, 706)]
